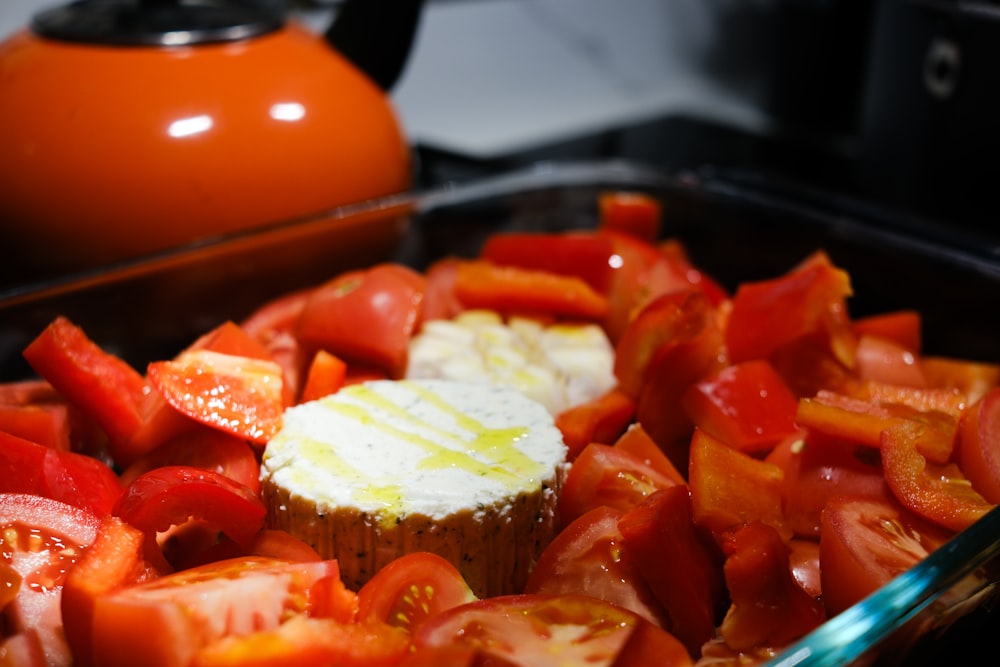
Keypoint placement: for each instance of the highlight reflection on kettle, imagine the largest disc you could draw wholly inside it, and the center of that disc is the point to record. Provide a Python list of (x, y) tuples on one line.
[(132, 126)]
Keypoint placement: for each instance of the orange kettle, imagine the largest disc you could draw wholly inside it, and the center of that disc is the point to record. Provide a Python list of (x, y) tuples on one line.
[(133, 126)]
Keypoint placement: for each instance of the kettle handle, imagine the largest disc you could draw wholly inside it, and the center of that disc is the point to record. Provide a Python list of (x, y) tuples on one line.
[(376, 35)]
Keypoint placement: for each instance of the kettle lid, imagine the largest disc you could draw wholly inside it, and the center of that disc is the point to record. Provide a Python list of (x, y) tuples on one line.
[(156, 22)]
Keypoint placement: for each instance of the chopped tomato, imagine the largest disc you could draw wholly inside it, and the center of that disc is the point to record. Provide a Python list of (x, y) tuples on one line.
[(680, 563), (978, 453), (513, 290), (816, 468), (585, 255), (768, 607), (546, 631), (903, 327), (649, 645), (114, 560), (730, 489), (865, 542), (677, 258), (941, 493), (303, 641), (602, 419), (637, 442), (411, 589), (207, 448), (173, 495), (75, 479), (588, 557), (667, 321), (606, 475), (279, 315), (45, 424), (365, 316), (635, 213), (168, 620), (887, 361), (102, 385), (237, 395), (273, 543), (803, 559), (440, 302), (41, 539), (325, 376), (807, 301), (747, 405)]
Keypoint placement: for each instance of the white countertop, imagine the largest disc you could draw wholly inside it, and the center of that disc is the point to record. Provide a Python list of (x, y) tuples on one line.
[(491, 76)]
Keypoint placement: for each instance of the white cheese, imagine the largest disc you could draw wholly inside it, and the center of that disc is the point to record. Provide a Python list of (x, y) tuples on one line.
[(560, 365), (430, 447)]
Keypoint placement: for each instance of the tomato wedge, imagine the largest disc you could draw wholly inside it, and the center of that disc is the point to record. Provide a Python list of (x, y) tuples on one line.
[(865, 542), (235, 394), (411, 589), (166, 621), (40, 540), (546, 630), (978, 453), (588, 558)]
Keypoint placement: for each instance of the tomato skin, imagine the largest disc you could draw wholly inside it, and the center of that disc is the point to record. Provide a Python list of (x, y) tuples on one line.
[(64, 533), (516, 628), (887, 361), (203, 447), (635, 213), (866, 541), (681, 565), (977, 453), (587, 558), (637, 442), (941, 493), (768, 607), (605, 475), (746, 405), (511, 290), (75, 479), (102, 385), (171, 495), (46, 424), (411, 589), (806, 301)]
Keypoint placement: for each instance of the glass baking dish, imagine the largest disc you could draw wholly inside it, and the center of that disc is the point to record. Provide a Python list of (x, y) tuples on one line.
[(737, 231)]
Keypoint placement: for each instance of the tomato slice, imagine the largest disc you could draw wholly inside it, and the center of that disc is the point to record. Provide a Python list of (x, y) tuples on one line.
[(588, 558), (865, 542), (102, 385), (167, 620), (75, 479), (41, 539), (978, 454), (235, 394), (545, 630), (602, 419), (365, 316), (768, 607), (680, 563), (941, 493), (606, 475), (174, 495), (304, 641), (411, 589)]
